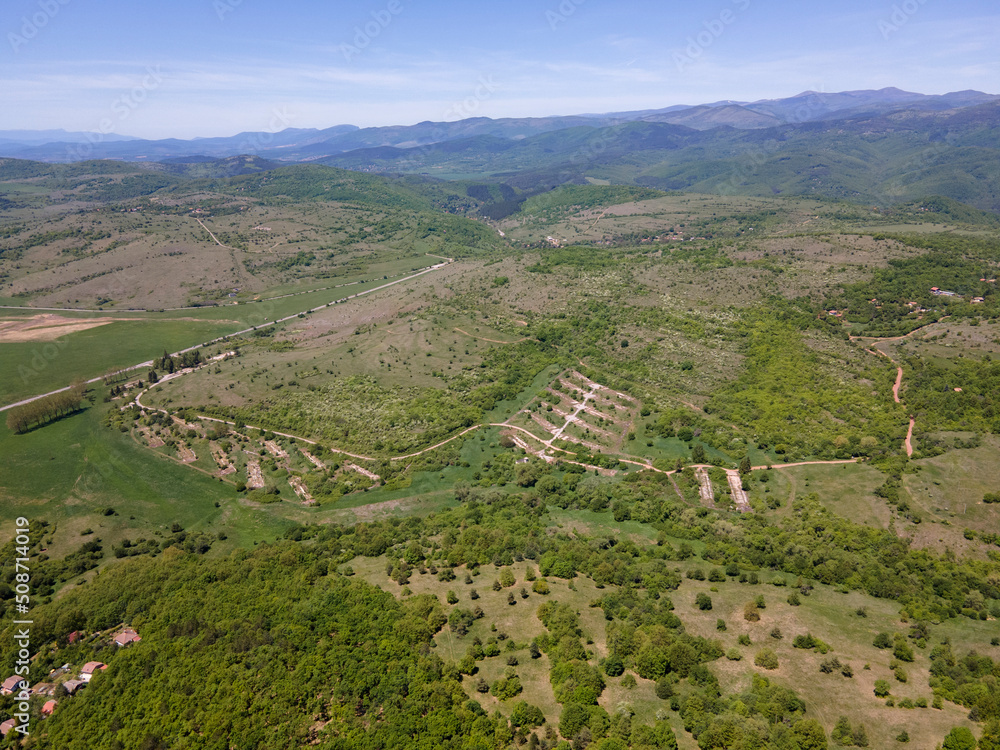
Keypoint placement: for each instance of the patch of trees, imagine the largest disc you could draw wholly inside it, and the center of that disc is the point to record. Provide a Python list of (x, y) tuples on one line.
[(970, 680), (41, 411), (169, 364)]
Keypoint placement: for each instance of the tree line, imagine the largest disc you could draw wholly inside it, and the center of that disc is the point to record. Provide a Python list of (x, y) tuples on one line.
[(41, 411)]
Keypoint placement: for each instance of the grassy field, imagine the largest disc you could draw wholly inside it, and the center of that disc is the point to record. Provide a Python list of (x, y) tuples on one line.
[(31, 368), (948, 491), (72, 470)]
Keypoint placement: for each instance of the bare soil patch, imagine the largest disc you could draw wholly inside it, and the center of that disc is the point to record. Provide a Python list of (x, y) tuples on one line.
[(46, 327)]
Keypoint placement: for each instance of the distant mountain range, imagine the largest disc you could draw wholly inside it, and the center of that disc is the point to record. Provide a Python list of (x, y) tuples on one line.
[(880, 146), (307, 144)]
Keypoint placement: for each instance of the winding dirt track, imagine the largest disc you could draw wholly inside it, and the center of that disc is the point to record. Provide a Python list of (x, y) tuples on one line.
[(908, 442)]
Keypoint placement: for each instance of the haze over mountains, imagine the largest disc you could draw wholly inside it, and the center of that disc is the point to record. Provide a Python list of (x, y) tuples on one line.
[(882, 146)]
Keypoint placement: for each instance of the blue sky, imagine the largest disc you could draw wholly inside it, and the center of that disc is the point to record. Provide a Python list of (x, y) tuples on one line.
[(189, 68)]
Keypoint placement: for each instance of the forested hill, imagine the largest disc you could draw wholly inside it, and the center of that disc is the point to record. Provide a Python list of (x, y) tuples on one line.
[(283, 647)]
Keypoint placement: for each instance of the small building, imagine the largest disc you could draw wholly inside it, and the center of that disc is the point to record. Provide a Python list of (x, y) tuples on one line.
[(48, 707), (73, 637), (43, 688), (90, 669), (126, 637), (6, 727), (73, 685), (978, 300), (10, 684)]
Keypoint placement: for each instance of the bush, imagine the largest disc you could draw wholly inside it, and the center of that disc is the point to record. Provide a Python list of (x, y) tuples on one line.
[(734, 654), (541, 586), (776, 634), (959, 738), (614, 666), (766, 659), (881, 688), (751, 612), (507, 578), (903, 736), (664, 689), (902, 651), (793, 599), (720, 624), (882, 640), (703, 602), (743, 640)]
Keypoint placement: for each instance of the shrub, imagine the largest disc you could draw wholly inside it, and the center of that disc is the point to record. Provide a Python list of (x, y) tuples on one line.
[(664, 689), (766, 659), (613, 666), (734, 654), (959, 738), (507, 578), (776, 634), (541, 586), (716, 575), (881, 688), (628, 681), (828, 666), (743, 640), (859, 737), (751, 612), (793, 599), (900, 674), (903, 736), (902, 651), (720, 624), (703, 601), (882, 640)]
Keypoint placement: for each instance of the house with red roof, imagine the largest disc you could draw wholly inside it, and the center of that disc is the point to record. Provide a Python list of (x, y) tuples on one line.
[(90, 669), (126, 637), (6, 727), (10, 684), (48, 707)]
